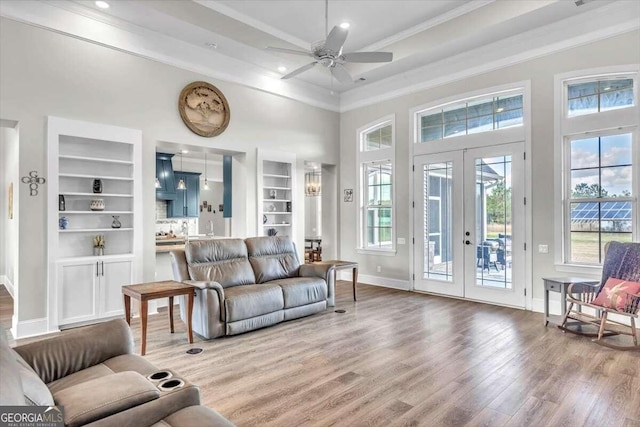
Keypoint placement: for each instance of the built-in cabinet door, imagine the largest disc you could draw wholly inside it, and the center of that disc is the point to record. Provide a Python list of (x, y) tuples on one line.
[(78, 284), (193, 196), (187, 202), (113, 275)]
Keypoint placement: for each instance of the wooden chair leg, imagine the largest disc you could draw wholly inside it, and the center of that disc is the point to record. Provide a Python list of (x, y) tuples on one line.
[(566, 314), (634, 331), (602, 325)]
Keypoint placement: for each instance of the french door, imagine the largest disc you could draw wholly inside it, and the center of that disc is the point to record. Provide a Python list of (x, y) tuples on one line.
[(470, 224)]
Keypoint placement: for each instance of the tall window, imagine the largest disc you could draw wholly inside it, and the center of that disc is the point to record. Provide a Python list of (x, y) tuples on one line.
[(599, 124), (376, 222)]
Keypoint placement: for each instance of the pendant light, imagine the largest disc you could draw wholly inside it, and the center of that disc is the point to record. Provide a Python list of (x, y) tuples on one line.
[(206, 183), (158, 185), (181, 184)]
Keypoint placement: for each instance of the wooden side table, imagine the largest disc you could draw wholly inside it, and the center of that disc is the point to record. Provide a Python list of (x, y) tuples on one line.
[(560, 284), (343, 265), (144, 292)]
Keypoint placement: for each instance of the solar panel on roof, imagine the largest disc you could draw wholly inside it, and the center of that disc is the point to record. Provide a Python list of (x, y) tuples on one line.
[(591, 211)]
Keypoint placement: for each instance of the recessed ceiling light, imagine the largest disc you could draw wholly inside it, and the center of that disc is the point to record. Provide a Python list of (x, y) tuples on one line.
[(211, 45), (282, 68), (184, 151), (345, 25), (102, 4)]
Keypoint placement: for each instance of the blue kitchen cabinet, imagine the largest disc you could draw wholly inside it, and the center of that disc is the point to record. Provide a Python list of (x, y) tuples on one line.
[(187, 202), (164, 174)]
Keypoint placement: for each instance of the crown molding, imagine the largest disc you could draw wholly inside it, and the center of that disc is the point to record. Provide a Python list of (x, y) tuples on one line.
[(611, 20), (430, 23), (151, 45)]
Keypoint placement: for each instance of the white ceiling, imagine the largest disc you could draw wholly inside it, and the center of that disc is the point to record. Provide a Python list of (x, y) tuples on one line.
[(428, 38)]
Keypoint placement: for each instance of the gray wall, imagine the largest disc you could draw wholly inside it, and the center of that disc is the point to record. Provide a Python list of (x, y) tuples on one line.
[(618, 50), (45, 73)]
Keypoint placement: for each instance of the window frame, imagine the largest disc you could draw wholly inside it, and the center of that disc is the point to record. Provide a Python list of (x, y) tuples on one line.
[(597, 124), (381, 155)]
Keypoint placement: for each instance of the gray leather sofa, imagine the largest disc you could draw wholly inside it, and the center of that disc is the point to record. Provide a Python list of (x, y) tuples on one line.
[(249, 284), (93, 374)]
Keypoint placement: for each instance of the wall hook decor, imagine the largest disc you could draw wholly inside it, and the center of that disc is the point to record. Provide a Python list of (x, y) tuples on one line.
[(33, 180)]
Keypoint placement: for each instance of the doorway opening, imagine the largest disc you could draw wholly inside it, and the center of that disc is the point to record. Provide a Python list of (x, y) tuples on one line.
[(320, 211)]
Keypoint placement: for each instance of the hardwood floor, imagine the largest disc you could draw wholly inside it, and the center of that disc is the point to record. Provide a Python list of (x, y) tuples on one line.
[(403, 359)]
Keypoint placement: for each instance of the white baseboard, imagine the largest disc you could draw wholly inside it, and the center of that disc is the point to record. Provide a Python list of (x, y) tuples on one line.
[(7, 284), (29, 328), (376, 280)]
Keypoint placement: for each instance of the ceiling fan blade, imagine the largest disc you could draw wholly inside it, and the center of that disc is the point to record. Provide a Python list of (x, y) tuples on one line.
[(341, 74), (368, 57), (290, 51), (336, 39), (299, 70)]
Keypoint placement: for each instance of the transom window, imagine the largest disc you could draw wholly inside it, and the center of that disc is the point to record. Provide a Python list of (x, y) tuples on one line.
[(376, 160), (601, 95), (471, 116)]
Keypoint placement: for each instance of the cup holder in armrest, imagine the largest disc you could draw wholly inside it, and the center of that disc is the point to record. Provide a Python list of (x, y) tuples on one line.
[(160, 375), (171, 384)]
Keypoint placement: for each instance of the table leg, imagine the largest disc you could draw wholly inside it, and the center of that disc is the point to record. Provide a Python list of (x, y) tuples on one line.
[(127, 309), (190, 316), (563, 299), (171, 313), (355, 280), (143, 321), (546, 307)]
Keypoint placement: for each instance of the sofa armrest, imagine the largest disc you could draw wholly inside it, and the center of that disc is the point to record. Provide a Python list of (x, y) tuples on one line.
[(78, 349), (101, 397), (323, 271)]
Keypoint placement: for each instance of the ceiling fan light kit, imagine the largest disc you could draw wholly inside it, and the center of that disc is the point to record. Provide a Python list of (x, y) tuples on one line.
[(329, 54)]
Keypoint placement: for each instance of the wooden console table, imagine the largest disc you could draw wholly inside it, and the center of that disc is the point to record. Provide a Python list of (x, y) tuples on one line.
[(153, 290), (343, 265)]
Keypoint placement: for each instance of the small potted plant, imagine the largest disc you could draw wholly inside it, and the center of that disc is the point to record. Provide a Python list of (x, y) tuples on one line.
[(98, 245)]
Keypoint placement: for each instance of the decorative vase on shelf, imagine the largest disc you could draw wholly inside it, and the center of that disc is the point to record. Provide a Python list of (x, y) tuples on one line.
[(61, 203), (97, 186), (288, 206), (116, 222), (272, 232), (272, 194), (63, 222), (97, 204), (98, 250)]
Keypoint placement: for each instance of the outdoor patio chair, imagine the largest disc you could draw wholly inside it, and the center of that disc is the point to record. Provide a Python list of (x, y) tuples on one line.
[(487, 257), (620, 273)]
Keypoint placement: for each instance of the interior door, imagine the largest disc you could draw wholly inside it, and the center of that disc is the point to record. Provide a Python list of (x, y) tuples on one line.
[(438, 217), (470, 224), (494, 221)]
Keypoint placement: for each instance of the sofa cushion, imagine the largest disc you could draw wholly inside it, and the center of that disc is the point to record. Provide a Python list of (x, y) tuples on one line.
[(244, 302), (299, 291), (223, 260), (123, 363), (272, 258), (11, 392)]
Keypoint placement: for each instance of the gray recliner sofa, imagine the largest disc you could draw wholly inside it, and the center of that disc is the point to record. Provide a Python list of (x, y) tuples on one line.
[(249, 284), (93, 374)]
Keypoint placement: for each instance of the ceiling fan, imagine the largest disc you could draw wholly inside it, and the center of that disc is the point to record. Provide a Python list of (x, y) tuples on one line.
[(329, 54)]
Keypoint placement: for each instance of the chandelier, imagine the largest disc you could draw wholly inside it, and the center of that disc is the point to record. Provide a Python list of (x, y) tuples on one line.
[(312, 184)]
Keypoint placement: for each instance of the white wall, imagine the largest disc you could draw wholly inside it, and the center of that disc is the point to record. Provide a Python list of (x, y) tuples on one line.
[(45, 73), (212, 196), (312, 216), (616, 50), (9, 157)]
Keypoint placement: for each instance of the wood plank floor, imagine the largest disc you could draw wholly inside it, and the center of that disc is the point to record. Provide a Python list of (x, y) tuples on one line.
[(403, 359)]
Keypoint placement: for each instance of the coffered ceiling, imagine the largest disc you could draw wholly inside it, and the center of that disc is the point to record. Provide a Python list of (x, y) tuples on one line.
[(433, 41)]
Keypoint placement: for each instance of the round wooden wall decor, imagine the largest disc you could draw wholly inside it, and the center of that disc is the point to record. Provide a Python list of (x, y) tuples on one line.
[(204, 109)]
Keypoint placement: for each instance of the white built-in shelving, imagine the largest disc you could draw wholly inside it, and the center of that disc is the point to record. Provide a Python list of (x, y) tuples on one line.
[(83, 285), (276, 193)]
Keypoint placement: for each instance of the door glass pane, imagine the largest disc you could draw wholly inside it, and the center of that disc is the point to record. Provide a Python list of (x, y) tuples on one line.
[(493, 222), (437, 221)]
